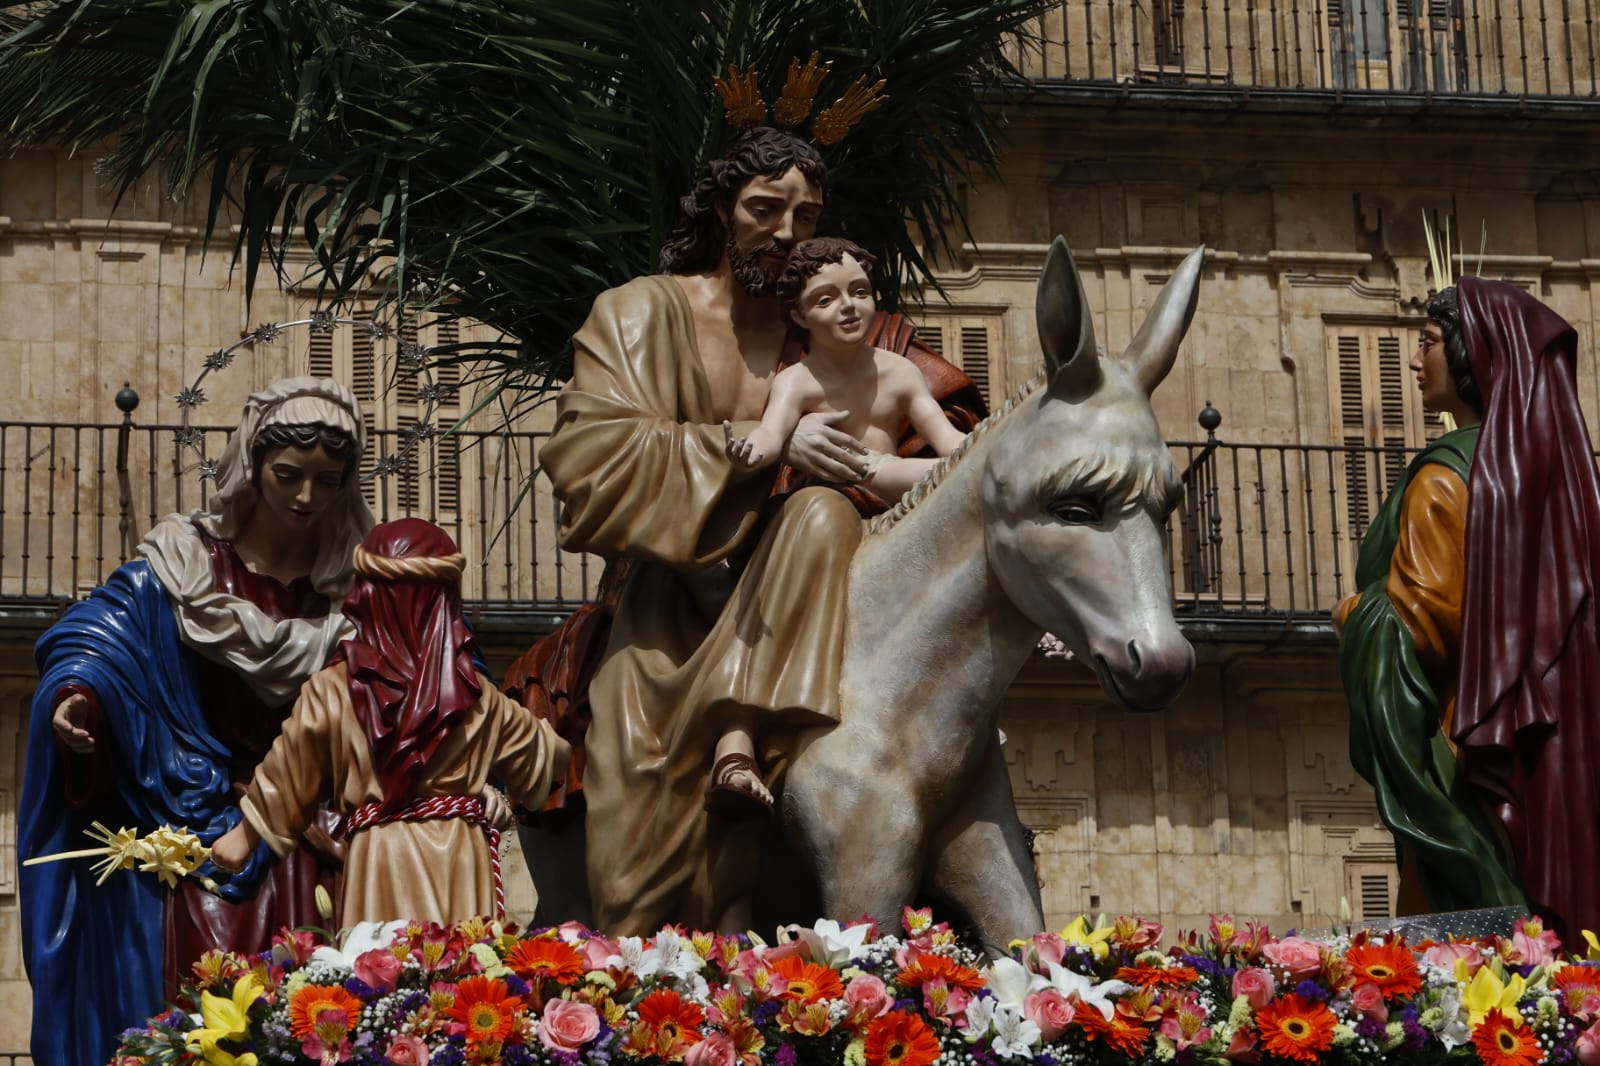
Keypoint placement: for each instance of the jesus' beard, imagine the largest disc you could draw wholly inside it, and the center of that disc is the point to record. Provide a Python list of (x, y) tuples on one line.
[(754, 276)]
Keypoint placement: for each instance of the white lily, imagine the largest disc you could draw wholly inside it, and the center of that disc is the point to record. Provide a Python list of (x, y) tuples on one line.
[(833, 945), (1084, 990), (1014, 1035), (1011, 982), (671, 955), (980, 1014), (1453, 1029), (630, 956), (358, 940)]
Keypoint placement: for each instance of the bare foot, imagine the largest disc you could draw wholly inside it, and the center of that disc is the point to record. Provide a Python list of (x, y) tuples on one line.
[(736, 789)]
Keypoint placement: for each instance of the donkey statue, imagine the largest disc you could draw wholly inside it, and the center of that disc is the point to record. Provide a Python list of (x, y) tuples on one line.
[(1049, 517)]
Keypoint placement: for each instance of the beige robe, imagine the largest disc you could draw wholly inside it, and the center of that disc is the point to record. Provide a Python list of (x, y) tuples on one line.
[(437, 870), (638, 460)]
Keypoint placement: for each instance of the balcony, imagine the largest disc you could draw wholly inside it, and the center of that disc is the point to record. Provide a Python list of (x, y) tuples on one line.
[(1266, 535), (1510, 50)]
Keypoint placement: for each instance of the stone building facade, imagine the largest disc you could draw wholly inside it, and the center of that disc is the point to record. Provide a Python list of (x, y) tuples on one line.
[(1301, 143)]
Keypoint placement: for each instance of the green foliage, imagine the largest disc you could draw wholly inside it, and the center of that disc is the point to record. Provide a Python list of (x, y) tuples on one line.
[(507, 159)]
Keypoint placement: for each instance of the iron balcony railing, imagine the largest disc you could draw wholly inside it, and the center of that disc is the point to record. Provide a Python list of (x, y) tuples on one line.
[(1504, 48), (1265, 532), (67, 518)]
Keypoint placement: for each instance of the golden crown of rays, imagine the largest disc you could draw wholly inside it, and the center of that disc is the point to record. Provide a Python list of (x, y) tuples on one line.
[(744, 106)]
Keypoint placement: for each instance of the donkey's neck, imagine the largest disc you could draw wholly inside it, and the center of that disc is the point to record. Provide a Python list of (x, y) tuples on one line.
[(931, 633)]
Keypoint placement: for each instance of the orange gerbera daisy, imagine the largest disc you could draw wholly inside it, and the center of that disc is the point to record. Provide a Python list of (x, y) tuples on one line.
[(807, 981), (1501, 1041), (927, 967), (487, 1008), (1293, 1027), (1158, 976), (669, 1024), (1389, 966), (1121, 1034), (542, 957), (311, 1002), (900, 1038)]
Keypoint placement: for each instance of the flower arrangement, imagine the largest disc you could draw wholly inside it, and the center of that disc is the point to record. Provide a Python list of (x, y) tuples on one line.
[(851, 995)]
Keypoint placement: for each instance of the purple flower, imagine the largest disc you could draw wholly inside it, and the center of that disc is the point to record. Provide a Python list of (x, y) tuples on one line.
[(517, 985), (360, 989), (786, 1056), (1309, 989), (1371, 1028)]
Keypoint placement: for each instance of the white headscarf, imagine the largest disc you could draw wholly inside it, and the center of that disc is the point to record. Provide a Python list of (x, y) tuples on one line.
[(275, 658)]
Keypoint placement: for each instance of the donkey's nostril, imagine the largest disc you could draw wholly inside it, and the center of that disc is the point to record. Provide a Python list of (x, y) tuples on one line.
[(1133, 657)]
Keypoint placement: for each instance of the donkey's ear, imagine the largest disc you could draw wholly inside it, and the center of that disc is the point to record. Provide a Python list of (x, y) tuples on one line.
[(1066, 332), (1155, 347)]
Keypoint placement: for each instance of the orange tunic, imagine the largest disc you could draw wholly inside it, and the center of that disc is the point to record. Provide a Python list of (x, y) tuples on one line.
[(1426, 576)]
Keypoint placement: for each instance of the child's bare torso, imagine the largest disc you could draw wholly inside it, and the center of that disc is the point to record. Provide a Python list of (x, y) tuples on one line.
[(875, 394)]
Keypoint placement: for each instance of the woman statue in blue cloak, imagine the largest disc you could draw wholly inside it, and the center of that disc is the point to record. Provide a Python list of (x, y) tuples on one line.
[(157, 697)]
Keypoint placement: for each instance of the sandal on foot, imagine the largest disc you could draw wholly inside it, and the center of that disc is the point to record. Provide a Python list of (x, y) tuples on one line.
[(729, 800)]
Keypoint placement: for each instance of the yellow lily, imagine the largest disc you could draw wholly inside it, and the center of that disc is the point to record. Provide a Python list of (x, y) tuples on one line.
[(1593, 954), (226, 1019), (1079, 935), (1488, 990)]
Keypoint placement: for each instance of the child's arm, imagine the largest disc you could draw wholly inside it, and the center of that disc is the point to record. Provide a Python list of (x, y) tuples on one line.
[(765, 443), (928, 418)]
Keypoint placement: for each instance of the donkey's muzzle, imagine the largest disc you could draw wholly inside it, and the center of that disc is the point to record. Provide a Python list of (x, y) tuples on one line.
[(1145, 676)]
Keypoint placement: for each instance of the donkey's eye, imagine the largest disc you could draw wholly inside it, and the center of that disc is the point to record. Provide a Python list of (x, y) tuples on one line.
[(1078, 510)]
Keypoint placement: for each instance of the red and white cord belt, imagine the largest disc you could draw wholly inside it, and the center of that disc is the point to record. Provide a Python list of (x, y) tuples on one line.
[(423, 810)]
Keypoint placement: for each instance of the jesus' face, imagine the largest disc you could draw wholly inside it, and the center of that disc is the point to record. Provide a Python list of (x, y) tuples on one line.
[(768, 216)]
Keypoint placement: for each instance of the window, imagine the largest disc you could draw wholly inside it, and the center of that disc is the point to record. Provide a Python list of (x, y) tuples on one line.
[(1369, 887), (971, 342), (426, 483), (1378, 418)]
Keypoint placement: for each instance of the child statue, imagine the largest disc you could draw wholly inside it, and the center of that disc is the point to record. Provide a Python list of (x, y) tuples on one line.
[(403, 731), (825, 291)]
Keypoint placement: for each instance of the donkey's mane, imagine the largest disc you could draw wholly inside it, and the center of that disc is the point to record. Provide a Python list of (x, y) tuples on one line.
[(930, 481)]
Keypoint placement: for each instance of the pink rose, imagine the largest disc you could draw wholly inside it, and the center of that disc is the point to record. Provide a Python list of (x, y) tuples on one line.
[(407, 1051), (1368, 1002), (715, 1050), (378, 969), (567, 1026), (1588, 1048), (1050, 1011), (867, 997), (1445, 956), (596, 950), (1255, 984), (1301, 958), (1047, 948)]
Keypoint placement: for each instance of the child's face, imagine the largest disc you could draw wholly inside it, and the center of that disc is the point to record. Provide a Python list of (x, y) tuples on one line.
[(836, 306)]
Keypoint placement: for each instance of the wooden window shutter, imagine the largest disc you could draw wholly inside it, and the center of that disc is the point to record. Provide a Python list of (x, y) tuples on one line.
[(1370, 887), (975, 356), (405, 375), (320, 362), (363, 366)]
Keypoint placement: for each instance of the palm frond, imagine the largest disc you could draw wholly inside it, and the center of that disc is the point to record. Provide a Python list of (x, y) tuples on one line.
[(505, 158)]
